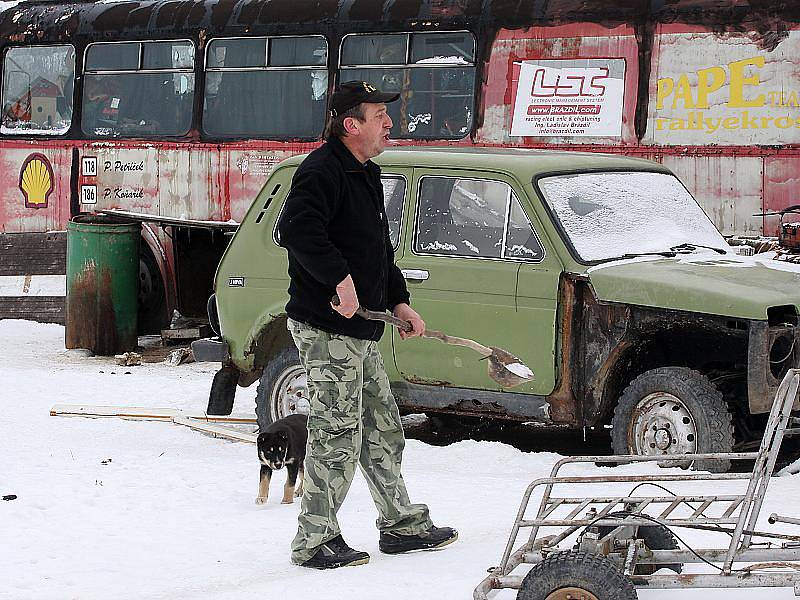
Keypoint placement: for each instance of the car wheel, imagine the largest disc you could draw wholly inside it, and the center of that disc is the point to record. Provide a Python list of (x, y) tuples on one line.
[(282, 390), (673, 410), (572, 574)]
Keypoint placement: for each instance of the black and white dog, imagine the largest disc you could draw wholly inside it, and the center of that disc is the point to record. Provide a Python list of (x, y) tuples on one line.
[(283, 443)]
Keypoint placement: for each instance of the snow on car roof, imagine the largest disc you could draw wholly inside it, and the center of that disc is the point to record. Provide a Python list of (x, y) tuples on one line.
[(525, 163)]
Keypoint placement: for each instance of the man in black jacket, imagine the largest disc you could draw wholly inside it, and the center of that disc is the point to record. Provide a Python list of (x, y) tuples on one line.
[(335, 228)]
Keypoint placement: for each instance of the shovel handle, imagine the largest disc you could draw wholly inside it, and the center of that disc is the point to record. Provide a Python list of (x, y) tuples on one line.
[(374, 315), (429, 333)]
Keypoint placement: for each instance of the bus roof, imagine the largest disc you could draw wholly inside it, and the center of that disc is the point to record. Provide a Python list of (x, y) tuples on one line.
[(523, 163), (40, 21)]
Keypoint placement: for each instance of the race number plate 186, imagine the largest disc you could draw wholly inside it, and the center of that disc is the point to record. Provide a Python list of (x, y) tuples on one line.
[(88, 194)]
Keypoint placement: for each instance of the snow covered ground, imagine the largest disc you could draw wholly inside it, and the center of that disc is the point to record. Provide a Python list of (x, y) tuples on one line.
[(172, 515)]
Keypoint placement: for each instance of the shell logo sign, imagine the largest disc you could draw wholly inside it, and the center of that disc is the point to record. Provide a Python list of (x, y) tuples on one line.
[(36, 180)]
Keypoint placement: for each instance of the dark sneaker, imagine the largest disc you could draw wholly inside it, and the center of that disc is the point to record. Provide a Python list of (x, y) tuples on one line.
[(336, 553), (433, 538)]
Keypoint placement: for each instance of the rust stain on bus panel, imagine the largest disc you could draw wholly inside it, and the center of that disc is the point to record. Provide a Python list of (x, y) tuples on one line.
[(183, 184), (216, 180), (204, 204), (729, 188), (249, 166), (781, 190)]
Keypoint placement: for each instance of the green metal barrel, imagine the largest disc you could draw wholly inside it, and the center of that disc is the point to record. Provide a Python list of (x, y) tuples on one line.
[(102, 284)]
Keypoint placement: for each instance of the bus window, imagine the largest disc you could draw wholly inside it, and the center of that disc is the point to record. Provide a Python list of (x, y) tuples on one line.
[(375, 49), (37, 90), (269, 88), (138, 89), (433, 72)]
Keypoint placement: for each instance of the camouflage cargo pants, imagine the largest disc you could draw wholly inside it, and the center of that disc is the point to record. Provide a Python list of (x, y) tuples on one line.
[(353, 420)]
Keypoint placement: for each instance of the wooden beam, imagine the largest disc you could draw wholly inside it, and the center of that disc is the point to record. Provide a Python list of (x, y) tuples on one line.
[(144, 413), (215, 430), (211, 424)]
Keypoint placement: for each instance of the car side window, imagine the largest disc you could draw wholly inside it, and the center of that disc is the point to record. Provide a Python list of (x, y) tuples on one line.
[(478, 218), (394, 193), (521, 242)]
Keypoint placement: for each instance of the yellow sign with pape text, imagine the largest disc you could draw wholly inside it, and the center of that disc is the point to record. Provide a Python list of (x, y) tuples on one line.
[(724, 97)]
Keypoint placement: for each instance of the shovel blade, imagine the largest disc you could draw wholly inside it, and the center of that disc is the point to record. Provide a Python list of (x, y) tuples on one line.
[(499, 363)]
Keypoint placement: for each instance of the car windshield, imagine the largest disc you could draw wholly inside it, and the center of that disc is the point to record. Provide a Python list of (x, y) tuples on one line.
[(612, 215)]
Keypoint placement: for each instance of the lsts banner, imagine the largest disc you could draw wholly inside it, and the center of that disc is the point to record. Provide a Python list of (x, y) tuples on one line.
[(564, 98)]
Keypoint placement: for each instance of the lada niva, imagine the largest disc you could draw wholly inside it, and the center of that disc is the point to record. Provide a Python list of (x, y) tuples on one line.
[(602, 273)]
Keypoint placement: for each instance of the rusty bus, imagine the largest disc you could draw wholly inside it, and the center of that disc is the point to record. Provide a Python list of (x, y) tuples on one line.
[(174, 112)]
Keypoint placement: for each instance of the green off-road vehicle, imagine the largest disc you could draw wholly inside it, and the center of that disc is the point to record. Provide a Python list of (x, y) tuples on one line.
[(600, 272)]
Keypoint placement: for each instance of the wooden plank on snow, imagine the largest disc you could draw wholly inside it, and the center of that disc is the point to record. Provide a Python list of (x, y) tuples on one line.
[(215, 430), (144, 413)]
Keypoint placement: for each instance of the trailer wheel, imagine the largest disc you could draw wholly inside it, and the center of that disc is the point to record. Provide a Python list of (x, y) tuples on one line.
[(282, 390), (223, 391), (572, 574), (673, 410), (655, 537)]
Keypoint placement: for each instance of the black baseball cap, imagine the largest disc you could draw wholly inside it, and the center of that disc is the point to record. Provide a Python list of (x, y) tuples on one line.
[(353, 93)]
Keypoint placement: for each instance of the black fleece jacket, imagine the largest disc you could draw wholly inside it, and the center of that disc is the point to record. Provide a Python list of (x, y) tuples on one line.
[(334, 224)]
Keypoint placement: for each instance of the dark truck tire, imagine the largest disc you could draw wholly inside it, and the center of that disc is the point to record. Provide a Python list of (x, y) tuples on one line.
[(282, 390), (673, 410), (223, 391), (152, 304), (575, 575)]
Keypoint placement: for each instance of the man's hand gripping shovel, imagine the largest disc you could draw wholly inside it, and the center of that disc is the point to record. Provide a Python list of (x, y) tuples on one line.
[(504, 368)]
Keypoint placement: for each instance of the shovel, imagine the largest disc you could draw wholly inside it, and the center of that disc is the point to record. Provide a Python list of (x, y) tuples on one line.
[(504, 368)]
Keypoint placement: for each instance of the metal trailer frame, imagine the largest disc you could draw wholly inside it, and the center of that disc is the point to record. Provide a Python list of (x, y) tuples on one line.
[(737, 516)]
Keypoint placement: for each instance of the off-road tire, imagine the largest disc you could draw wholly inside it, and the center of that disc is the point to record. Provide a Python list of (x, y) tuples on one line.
[(590, 572), (655, 537), (223, 391), (274, 373), (705, 403)]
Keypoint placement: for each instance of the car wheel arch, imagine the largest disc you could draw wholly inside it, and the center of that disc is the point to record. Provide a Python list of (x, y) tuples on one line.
[(272, 337)]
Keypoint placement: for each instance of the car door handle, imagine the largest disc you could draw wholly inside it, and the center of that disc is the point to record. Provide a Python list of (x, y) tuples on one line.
[(415, 274)]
